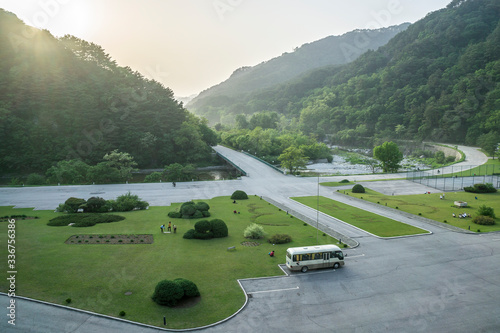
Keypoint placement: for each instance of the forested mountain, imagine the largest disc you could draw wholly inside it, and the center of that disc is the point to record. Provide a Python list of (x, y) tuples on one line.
[(332, 50), (67, 99), (437, 80)]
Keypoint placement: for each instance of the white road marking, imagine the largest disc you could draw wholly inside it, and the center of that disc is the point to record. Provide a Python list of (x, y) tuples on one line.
[(270, 291)]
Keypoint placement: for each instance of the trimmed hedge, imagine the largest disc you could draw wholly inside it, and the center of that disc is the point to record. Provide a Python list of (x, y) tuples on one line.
[(219, 228), (239, 195), (358, 188), (169, 293), (480, 188), (84, 219), (191, 210), (205, 229), (280, 239)]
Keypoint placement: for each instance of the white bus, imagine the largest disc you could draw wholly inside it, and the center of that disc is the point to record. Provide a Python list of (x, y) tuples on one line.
[(312, 257)]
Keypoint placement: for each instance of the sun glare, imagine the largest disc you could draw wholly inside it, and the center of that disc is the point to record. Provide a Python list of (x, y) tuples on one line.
[(73, 18)]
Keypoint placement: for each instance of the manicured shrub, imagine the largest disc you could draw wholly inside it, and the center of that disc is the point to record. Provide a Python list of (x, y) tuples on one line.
[(190, 289), (203, 227), (197, 215), (344, 181), (189, 234), (280, 239), (254, 231), (486, 211), (205, 214), (202, 206), (484, 220), (480, 188), (122, 313), (167, 293), (239, 195), (95, 205), (68, 300), (188, 210), (219, 228), (175, 215), (358, 188), (84, 219), (73, 204)]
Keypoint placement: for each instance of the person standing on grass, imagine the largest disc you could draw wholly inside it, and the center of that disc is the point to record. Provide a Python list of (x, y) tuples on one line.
[(169, 228), (175, 229), (162, 228)]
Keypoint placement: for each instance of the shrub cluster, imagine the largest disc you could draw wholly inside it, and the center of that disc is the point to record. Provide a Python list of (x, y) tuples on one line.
[(484, 220), (358, 188), (480, 188), (343, 181), (239, 195), (280, 239), (486, 211), (254, 231), (205, 229), (84, 219), (123, 203), (191, 210), (169, 292)]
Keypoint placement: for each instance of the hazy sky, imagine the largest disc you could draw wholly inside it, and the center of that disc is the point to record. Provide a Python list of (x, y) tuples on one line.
[(191, 45)]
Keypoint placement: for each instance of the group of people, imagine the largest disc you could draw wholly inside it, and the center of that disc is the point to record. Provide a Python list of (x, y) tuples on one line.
[(461, 216), (169, 228)]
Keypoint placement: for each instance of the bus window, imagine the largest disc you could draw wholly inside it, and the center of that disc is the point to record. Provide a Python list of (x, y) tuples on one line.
[(318, 255), (305, 257)]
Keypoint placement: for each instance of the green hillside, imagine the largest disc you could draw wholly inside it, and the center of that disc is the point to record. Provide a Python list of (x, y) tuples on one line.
[(67, 99), (437, 80), (332, 50)]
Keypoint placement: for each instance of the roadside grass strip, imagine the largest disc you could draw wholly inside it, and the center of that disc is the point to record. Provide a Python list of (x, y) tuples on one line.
[(375, 224), (108, 279), (438, 208)]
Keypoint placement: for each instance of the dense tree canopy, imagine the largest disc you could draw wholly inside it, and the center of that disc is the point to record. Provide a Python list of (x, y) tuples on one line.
[(389, 156), (437, 80), (67, 99)]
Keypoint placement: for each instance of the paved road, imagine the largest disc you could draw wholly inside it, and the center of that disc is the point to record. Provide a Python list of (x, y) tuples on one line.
[(443, 282)]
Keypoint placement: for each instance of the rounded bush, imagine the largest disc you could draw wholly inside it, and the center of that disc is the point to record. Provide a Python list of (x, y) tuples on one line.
[(358, 188), (154, 177), (202, 206), (190, 289), (203, 227), (280, 239), (189, 234), (239, 195), (254, 231), (73, 204), (167, 293), (484, 220), (95, 205), (175, 215), (197, 214), (187, 210), (219, 228), (343, 181), (205, 214), (35, 179)]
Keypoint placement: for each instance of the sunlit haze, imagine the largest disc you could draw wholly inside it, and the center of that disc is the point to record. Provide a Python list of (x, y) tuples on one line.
[(192, 45)]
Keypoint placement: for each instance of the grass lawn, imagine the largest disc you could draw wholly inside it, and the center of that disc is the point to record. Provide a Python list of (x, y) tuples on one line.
[(96, 277), (430, 206), (334, 184), (373, 223), (490, 167)]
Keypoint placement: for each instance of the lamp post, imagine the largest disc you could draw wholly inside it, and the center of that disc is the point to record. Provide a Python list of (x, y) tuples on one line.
[(317, 214)]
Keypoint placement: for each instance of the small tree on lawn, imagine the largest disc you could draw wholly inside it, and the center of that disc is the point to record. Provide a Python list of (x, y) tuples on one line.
[(389, 156), (293, 159)]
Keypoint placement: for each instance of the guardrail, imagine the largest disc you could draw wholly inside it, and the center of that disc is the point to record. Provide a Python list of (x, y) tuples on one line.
[(266, 163), (243, 172)]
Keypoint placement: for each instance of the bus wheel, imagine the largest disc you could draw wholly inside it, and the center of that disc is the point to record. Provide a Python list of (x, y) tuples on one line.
[(304, 269), (336, 265)]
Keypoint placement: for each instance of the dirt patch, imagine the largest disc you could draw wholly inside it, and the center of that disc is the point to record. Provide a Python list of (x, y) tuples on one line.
[(188, 302), (250, 243), (110, 239)]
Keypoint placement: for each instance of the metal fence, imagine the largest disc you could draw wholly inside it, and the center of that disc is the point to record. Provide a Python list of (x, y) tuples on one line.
[(455, 178)]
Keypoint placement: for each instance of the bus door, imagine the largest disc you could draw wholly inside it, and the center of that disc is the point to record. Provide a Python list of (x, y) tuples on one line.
[(326, 259)]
